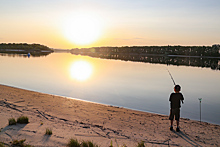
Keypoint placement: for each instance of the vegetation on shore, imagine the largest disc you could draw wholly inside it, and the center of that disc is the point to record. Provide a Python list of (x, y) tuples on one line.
[(11, 121), (23, 120), (157, 50), (199, 56), (75, 143), (20, 143), (20, 120), (48, 131), (24, 46)]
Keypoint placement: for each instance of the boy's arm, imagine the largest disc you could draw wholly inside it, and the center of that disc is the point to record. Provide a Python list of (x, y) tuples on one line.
[(182, 102), (182, 99)]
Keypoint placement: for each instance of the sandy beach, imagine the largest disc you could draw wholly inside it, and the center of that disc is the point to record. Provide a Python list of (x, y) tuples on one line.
[(71, 118)]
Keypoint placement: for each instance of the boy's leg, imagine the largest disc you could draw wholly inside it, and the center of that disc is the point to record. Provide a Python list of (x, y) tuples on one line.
[(171, 122), (177, 123), (171, 117), (177, 117)]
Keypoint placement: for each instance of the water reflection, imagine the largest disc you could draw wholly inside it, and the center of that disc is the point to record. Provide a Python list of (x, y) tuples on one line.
[(81, 70), (211, 62)]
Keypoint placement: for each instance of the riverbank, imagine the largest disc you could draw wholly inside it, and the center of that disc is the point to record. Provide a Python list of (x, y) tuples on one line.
[(70, 118)]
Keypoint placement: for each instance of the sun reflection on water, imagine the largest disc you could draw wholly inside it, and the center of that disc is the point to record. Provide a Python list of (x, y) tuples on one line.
[(81, 70)]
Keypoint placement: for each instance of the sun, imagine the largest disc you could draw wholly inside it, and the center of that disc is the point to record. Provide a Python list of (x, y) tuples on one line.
[(82, 28), (81, 70)]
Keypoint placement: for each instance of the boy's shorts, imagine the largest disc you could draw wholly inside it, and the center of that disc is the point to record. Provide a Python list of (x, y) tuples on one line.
[(174, 112)]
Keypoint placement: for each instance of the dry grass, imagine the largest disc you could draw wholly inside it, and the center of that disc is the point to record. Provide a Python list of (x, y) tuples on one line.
[(11, 121), (48, 131)]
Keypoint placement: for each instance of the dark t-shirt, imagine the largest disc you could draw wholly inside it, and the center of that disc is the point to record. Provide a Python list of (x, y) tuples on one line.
[(175, 99)]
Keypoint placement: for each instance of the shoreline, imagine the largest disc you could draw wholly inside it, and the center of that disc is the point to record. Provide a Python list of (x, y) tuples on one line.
[(103, 103), (100, 123)]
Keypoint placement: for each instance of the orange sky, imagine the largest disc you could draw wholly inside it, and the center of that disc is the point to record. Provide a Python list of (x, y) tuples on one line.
[(69, 24)]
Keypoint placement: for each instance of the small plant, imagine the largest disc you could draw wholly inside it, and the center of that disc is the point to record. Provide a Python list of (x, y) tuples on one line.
[(41, 123), (73, 143), (11, 121), (141, 144), (23, 120), (48, 131)]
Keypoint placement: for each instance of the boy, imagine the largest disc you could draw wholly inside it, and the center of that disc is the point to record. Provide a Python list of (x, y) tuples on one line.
[(175, 99)]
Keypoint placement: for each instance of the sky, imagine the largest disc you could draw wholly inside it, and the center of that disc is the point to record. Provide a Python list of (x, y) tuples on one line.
[(67, 24)]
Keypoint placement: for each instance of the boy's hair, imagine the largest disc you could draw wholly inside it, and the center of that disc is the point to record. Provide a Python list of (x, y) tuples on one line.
[(177, 87)]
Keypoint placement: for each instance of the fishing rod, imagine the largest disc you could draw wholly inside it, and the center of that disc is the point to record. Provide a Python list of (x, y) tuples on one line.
[(171, 77)]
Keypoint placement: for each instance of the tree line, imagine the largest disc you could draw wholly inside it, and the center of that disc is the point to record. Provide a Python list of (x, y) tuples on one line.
[(213, 51), (24, 46)]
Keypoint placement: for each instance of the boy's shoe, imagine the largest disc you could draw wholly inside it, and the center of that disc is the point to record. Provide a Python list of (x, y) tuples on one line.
[(171, 128), (177, 129)]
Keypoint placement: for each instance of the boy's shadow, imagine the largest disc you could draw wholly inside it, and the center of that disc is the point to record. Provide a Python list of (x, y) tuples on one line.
[(186, 138)]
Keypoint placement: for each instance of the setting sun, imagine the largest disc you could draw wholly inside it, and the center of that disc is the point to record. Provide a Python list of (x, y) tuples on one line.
[(82, 28), (81, 70)]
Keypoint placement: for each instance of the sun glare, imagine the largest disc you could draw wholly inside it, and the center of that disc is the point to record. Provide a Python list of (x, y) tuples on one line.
[(81, 70), (82, 28)]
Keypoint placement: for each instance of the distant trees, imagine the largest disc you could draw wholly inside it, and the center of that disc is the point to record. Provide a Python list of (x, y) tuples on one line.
[(162, 50), (24, 46)]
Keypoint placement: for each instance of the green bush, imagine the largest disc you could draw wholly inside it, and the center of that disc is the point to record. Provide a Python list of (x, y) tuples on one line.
[(48, 131), (23, 120), (11, 121), (73, 143)]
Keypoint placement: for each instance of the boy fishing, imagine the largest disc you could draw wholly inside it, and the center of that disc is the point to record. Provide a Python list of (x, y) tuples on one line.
[(175, 104)]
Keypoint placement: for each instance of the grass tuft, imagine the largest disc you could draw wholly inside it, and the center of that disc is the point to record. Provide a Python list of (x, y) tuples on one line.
[(41, 123), (73, 143), (48, 131), (23, 120), (20, 143), (141, 144), (11, 121), (76, 143), (88, 144)]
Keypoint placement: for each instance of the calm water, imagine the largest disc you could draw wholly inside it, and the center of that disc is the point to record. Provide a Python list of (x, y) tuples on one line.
[(141, 86)]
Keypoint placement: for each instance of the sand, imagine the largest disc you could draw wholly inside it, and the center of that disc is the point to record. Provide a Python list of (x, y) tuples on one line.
[(71, 118)]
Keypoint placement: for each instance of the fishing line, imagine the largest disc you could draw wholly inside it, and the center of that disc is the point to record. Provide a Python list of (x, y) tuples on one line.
[(171, 77)]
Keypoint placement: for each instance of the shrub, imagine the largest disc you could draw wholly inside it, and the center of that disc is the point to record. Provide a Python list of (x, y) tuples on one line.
[(48, 131), (23, 120), (11, 121), (73, 143)]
